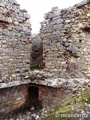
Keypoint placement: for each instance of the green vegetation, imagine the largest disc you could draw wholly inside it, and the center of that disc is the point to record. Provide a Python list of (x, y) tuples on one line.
[(32, 68), (71, 106), (88, 100)]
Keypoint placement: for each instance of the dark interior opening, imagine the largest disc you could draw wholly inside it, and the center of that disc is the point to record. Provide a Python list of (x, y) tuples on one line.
[(33, 100), (86, 29), (36, 54), (33, 93)]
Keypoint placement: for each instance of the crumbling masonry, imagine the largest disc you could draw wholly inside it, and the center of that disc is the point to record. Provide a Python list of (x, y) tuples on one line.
[(61, 51), (66, 41)]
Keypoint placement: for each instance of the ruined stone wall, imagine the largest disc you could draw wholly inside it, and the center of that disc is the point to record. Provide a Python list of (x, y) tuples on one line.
[(66, 41), (51, 96), (22, 96), (15, 31), (12, 98)]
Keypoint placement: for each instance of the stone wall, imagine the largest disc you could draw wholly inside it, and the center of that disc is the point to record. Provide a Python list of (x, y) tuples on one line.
[(66, 53), (29, 95), (15, 31), (50, 96), (12, 98), (66, 41)]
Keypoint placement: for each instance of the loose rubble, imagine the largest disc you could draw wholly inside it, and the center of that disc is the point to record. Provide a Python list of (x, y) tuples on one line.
[(62, 52)]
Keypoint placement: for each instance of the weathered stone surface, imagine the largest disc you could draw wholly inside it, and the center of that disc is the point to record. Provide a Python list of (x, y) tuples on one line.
[(65, 36), (23, 95), (15, 32), (14, 98), (62, 48)]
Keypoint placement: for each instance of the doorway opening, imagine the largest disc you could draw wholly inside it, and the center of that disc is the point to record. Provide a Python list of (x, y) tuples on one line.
[(33, 93), (33, 101)]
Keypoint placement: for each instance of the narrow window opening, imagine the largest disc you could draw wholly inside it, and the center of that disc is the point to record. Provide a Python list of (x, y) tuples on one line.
[(86, 29), (80, 41), (3, 24), (36, 54)]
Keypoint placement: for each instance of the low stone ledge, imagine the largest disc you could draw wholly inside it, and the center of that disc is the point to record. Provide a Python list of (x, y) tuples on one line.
[(50, 82)]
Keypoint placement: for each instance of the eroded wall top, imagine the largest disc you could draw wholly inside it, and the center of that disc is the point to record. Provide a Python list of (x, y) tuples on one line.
[(66, 41), (15, 31)]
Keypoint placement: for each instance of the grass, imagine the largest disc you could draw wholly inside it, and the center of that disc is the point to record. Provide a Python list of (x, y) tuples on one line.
[(77, 102), (32, 69), (88, 100)]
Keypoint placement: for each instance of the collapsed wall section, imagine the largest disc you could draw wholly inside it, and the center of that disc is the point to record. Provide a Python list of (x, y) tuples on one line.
[(66, 41), (15, 31)]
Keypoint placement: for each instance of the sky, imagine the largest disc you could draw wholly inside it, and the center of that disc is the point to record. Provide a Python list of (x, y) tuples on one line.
[(37, 9)]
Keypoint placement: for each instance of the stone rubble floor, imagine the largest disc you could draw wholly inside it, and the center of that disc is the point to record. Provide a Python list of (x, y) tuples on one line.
[(31, 114), (39, 113)]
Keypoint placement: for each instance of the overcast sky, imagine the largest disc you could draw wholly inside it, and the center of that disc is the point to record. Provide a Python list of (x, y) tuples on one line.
[(37, 8)]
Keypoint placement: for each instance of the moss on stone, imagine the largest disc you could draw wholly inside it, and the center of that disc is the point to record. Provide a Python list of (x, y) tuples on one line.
[(75, 104), (32, 69), (88, 99)]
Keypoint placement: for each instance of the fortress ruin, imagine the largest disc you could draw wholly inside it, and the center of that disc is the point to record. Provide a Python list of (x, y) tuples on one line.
[(47, 65)]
